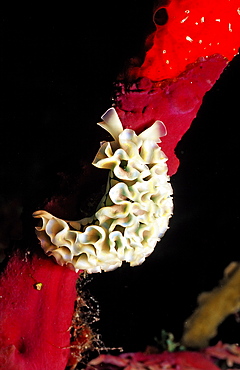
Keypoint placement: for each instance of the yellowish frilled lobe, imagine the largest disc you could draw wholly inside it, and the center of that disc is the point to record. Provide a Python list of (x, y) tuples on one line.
[(132, 216)]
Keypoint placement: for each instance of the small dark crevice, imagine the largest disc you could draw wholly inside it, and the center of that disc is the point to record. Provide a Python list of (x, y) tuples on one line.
[(160, 17)]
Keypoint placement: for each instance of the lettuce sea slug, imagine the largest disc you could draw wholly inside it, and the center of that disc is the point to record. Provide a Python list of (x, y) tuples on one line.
[(133, 214)]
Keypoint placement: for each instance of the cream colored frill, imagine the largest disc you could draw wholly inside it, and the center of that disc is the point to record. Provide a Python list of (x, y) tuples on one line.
[(133, 214)]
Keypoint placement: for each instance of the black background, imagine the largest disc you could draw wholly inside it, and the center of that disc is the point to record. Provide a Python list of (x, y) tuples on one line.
[(57, 74)]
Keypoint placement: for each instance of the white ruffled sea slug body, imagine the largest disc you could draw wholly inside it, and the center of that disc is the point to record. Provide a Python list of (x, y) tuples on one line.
[(133, 214)]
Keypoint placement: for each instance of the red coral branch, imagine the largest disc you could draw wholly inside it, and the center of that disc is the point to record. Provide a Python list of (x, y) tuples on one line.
[(177, 360), (174, 101), (36, 307), (189, 30), (188, 51)]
